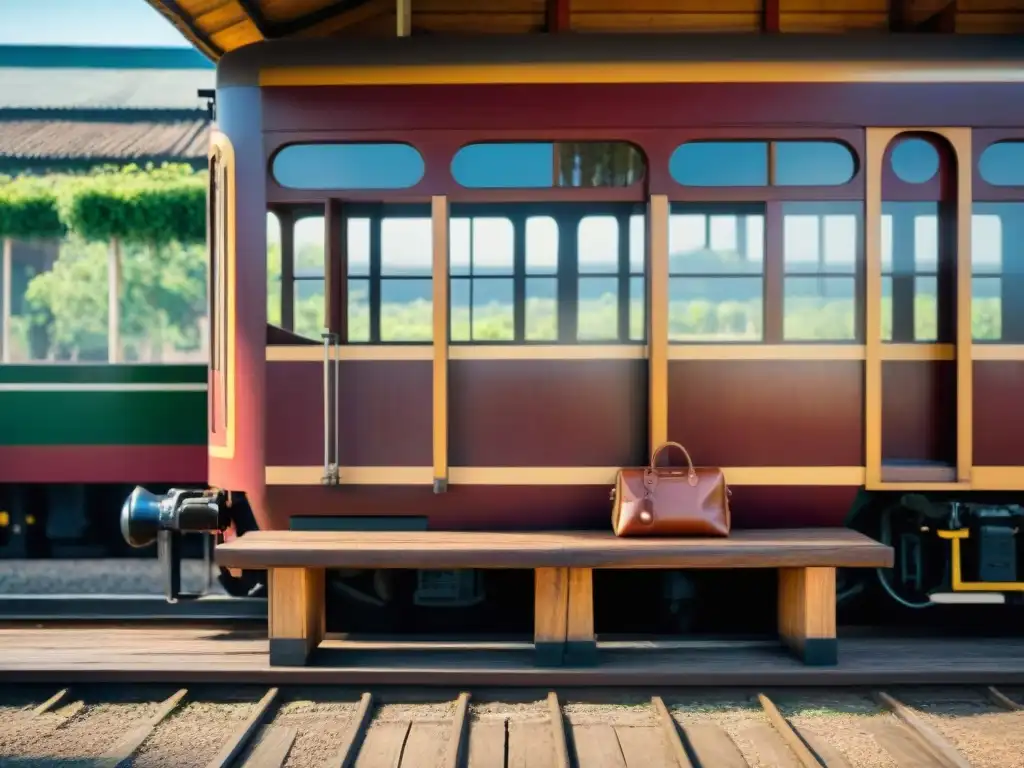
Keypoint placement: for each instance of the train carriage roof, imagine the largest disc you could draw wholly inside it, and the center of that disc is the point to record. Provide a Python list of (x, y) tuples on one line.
[(217, 27)]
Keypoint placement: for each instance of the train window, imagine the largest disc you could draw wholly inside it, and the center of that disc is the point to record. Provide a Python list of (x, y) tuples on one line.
[(406, 296), (914, 160), (1002, 164), (812, 163), (358, 285), (716, 268), (482, 290), (910, 257), (532, 165), (541, 283), (348, 166), (821, 254), (273, 269), (308, 289), (720, 164), (997, 268), (597, 253)]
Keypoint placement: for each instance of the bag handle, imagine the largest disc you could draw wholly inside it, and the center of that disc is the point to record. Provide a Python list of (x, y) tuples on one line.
[(689, 462)]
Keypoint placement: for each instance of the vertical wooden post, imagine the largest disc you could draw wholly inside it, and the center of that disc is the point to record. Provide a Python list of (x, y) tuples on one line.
[(550, 613), (807, 614), (114, 302), (657, 318), (876, 142), (439, 227), (5, 299), (580, 641), (295, 614), (960, 139)]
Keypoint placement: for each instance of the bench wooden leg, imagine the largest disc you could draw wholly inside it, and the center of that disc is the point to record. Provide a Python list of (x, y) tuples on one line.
[(550, 611), (295, 608), (807, 614), (580, 642)]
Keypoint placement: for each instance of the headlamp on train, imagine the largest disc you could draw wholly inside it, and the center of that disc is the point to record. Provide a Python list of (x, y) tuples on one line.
[(145, 514)]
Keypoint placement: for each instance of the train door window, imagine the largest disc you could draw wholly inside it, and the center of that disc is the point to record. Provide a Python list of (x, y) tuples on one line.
[(716, 273), (997, 272), (406, 264), (910, 269), (540, 288), (482, 286), (821, 257)]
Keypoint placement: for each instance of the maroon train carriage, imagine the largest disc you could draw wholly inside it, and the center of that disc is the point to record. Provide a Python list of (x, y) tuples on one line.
[(533, 260)]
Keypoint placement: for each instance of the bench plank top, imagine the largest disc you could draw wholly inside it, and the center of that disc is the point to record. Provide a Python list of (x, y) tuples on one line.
[(789, 547)]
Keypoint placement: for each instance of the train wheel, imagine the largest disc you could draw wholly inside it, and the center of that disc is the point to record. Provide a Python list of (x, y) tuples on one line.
[(238, 582)]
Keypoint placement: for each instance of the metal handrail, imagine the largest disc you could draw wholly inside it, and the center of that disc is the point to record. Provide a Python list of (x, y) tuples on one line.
[(330, 476)]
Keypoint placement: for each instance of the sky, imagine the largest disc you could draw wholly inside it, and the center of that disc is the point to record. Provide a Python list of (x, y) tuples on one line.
[(85, 22)]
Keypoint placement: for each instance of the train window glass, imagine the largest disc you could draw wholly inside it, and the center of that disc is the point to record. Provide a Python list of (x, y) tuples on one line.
[(541, 289), (637, 289), (481, 255), (1002, 164), (720, 164), (812, 163), (309, 287), (273, 269), (910, 254), (914, 160), (597, 306), (531, 165), (406, 262), (348, 166), (821, 247), (716, 285), (357, 244), (997, 267)]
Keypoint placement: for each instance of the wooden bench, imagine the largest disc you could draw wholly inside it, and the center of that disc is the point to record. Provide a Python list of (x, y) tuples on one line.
[(563, 563)]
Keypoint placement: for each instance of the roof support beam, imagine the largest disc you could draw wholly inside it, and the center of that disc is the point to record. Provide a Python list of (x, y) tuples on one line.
[(185, 24), (403, 17), (288, 28), (771, 16), (558, 15), (252, 9), (942, 21)]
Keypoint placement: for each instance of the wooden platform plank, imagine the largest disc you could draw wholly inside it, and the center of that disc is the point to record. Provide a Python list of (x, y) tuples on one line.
[(486, 745), (383, 745), (644, 747), (776, 548), (180, 656), (597, 746), (530, 745), (272, 749), (713, 746)]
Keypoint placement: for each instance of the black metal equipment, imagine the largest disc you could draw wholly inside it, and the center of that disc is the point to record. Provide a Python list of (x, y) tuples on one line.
[(146, 517)]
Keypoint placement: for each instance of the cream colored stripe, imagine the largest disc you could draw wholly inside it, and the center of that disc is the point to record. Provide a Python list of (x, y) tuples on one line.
[(647, 72), (823, 352), (776, 476)]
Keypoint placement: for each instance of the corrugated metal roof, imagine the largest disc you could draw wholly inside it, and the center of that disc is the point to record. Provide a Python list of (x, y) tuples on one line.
[(41, 140), (77, 88)]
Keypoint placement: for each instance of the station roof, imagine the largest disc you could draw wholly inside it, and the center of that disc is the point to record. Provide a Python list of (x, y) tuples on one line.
[(66, 106), (216, 27)]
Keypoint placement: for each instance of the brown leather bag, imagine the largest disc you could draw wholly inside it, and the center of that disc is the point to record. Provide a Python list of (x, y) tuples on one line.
[(670, 501)]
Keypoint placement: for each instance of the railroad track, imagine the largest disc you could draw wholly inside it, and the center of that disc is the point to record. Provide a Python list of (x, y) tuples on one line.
[(219, 727)]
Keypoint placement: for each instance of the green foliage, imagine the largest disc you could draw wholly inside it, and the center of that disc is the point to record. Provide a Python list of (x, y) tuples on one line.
[(28, 208), (156, 206)]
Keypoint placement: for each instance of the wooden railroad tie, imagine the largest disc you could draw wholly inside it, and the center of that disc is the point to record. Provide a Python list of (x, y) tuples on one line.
[(927, 736)]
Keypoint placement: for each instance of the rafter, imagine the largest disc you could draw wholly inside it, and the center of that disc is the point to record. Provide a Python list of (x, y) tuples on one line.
[(185, 24), (255, 14)]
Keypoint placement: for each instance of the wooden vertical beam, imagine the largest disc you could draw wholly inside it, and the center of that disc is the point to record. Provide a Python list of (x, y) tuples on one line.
[(439, 225), (807, 614), (960, 140), (550, 614), (558, 13), (877, 140), (403, 18), (580, 641), (771, 16), (295, 614), (657, 319)]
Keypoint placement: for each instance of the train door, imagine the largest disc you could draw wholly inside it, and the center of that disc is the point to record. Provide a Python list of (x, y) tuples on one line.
[(918, 345)]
